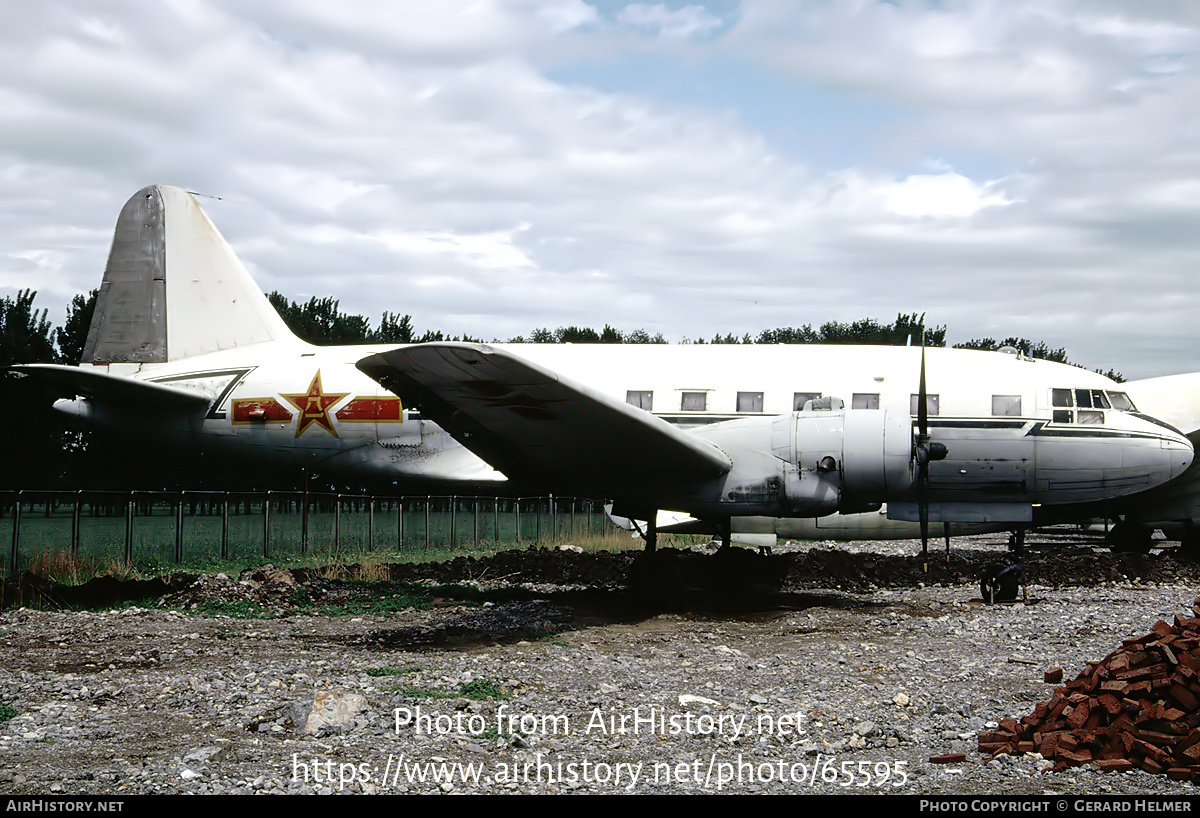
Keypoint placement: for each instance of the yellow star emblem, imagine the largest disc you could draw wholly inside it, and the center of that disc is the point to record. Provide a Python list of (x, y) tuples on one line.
[(314, 406)]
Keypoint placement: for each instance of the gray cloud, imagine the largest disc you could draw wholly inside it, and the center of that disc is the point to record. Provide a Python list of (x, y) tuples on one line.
[(415, 158)]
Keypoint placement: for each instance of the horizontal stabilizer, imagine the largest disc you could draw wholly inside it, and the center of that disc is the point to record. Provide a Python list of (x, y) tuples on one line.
[(128, 393), (533, 424)]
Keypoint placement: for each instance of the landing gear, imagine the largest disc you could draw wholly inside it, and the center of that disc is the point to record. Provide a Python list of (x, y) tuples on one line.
[(1016, 543), (1127, 537), (650, 534), (1189, 543)]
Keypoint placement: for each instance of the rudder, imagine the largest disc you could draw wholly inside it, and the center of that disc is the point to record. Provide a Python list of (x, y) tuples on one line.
[(173, 287)]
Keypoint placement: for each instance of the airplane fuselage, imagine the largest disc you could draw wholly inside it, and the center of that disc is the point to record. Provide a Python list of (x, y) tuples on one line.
[(1010, 447)]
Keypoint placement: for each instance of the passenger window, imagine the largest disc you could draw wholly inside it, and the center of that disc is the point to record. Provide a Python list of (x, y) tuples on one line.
[(750, 401), (642, 400), (1006, 405), (1091, 417), (828, 404), (694, 401), (864, 400), (801, 398), (931, 404)]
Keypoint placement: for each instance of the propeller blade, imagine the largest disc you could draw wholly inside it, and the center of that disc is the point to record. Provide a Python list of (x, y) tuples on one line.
[(922, 452), (922, 399), (923, 509)]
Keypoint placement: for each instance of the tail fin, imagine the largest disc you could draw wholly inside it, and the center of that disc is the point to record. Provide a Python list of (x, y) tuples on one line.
[(173, 287)]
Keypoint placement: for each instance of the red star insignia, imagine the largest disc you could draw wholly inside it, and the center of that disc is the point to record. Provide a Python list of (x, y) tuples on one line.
[(314, 406)]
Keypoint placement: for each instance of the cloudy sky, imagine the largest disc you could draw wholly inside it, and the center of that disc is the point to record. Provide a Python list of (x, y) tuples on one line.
[(691, 168)]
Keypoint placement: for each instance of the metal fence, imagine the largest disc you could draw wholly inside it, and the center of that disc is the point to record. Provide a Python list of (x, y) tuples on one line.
[(151, 528)]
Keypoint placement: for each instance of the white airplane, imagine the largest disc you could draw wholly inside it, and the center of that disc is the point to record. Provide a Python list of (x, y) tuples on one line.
[(184, 348)]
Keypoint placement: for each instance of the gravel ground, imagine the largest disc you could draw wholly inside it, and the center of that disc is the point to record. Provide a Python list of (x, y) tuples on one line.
[(818, 689)]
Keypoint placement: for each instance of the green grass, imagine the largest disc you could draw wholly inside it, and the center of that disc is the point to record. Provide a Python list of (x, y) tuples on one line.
[(477, 689), (7, 711), (393, 671), (482, 690)]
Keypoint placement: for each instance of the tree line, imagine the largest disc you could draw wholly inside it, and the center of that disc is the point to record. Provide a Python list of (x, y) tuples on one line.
[(26, 335)]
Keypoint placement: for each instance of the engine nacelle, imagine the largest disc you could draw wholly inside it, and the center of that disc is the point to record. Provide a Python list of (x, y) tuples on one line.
[(843, 461)]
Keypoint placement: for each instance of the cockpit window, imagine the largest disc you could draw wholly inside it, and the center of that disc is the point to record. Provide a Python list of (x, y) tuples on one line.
[(1089, 402), (1121, 402), (1091, 399)]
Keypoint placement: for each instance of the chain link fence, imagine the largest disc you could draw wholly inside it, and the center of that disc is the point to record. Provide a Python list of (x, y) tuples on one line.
[(146, 529)]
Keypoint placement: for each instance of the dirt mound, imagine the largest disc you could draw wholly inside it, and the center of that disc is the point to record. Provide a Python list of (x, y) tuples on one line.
[(603, 569), (267, 586), (668, 573), (30, 590)]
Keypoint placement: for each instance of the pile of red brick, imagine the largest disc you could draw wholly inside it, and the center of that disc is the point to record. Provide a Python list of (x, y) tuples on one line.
[(1138, 707)]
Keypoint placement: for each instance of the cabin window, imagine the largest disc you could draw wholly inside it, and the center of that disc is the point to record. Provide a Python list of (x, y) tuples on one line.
[(694, 401), (932, 402), (1121, 402), (1006, 405), (864, 400), (750, 401), (642, 400), (801, 398)]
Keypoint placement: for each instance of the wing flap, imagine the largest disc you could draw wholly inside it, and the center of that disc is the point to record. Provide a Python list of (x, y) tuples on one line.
[(531, 423)]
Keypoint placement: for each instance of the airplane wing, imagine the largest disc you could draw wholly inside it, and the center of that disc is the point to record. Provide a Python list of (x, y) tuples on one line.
[(103, 387), (532, 423)]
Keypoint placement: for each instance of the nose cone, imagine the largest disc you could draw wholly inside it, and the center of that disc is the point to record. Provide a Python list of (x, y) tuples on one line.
[(1171, 458), (1124, 456), (1179, 454)]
